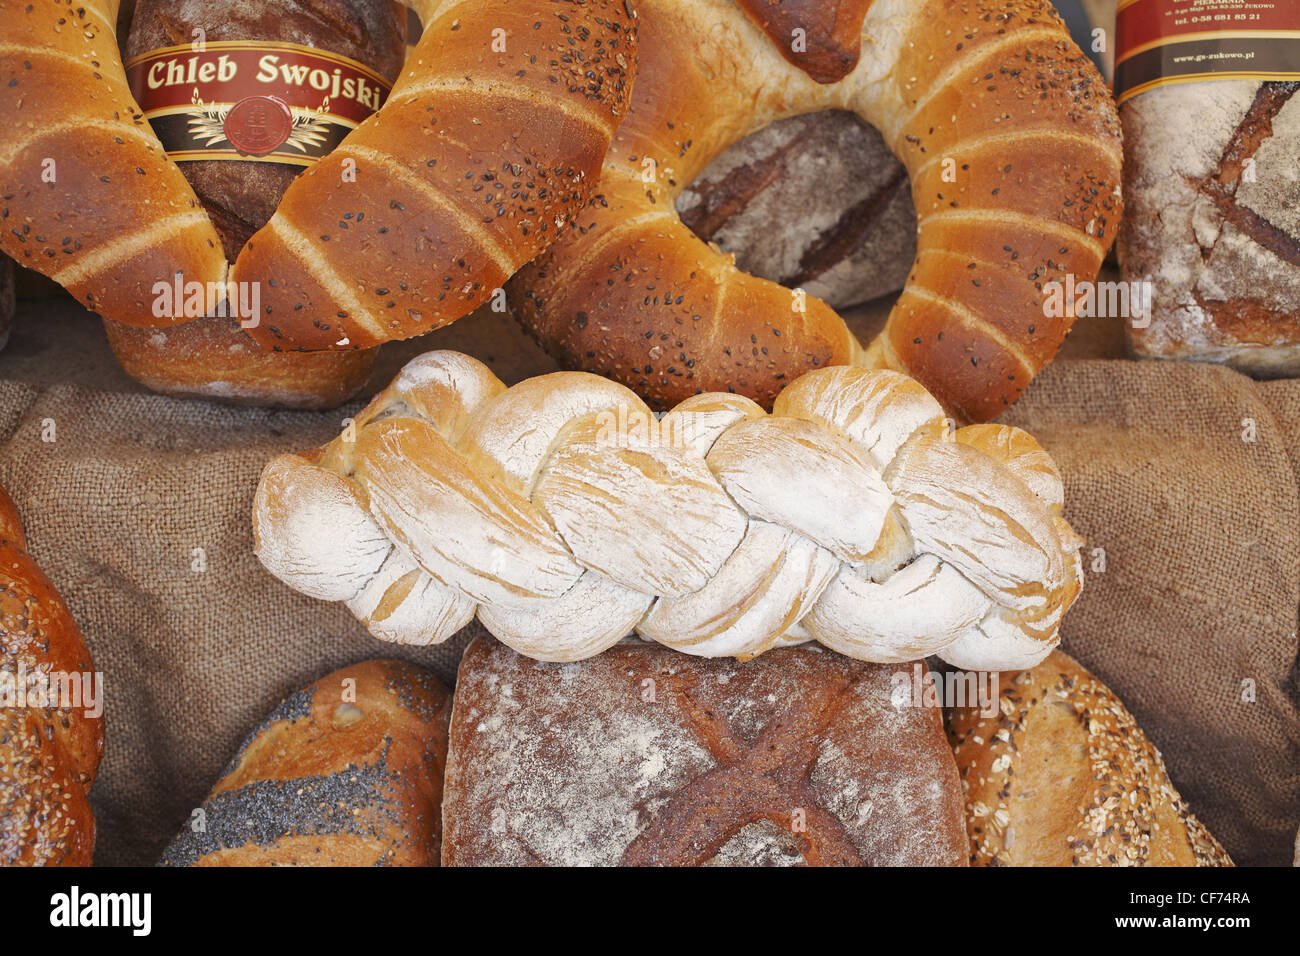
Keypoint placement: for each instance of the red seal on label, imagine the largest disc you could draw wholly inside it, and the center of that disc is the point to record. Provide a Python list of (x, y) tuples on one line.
[(245, 101), (258, 125)]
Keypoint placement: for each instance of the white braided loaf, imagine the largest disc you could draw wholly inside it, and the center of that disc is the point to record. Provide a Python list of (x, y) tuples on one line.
[(567, 516)]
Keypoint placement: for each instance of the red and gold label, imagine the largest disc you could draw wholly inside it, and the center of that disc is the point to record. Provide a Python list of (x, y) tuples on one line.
[(253, 101), (1162, 42)]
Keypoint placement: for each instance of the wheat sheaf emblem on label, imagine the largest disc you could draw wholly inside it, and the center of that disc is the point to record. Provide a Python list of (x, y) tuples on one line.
[(258, 125), (242, 101)]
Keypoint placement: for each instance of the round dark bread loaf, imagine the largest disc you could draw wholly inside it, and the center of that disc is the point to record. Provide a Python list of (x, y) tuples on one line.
[(841, 201), (333, 778), (642, 757), (1063, 776)]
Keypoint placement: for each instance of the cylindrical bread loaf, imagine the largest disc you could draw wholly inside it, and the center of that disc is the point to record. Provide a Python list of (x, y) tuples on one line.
[(1210, 177), (212, 357)]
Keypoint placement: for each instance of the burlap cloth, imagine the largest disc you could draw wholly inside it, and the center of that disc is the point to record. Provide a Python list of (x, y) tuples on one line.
[(139, 512)]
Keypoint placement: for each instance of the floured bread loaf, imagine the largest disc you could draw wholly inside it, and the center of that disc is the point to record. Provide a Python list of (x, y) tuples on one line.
[(347, 772), (644, 757), (1212, 185), (1063, 776), (566, 515)]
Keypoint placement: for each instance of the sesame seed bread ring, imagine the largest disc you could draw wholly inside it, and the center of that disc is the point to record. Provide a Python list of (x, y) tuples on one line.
[(1062, 775), (480, 153), (1006, 129), (118, 215), (465, 123)]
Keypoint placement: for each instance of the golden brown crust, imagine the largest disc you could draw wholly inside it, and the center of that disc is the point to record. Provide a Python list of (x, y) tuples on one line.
[(347, 772), (997, 87), (213, 359), (118, 215), (475, 159), (1055, 176), (48, 755), (669, 327), (1063, 776)]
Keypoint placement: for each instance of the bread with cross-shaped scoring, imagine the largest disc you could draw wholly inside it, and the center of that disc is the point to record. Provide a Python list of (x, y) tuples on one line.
[(642, 757)]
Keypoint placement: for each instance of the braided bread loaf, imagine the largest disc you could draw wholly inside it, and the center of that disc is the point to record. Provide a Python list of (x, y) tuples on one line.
[(49, 755), (1008, 134), (566, 515)]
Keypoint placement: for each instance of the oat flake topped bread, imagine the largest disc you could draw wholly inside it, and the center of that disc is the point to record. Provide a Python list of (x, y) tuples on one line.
[(644, 757), (1063, 776)]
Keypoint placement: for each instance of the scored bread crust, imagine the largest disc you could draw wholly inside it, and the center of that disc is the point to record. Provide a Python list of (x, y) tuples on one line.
[(118, 215), (466, 173), (1212, 222), (1009, 136), (643, 758), (347, 772), (565, 515), (533, 122), (1063, 776)]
